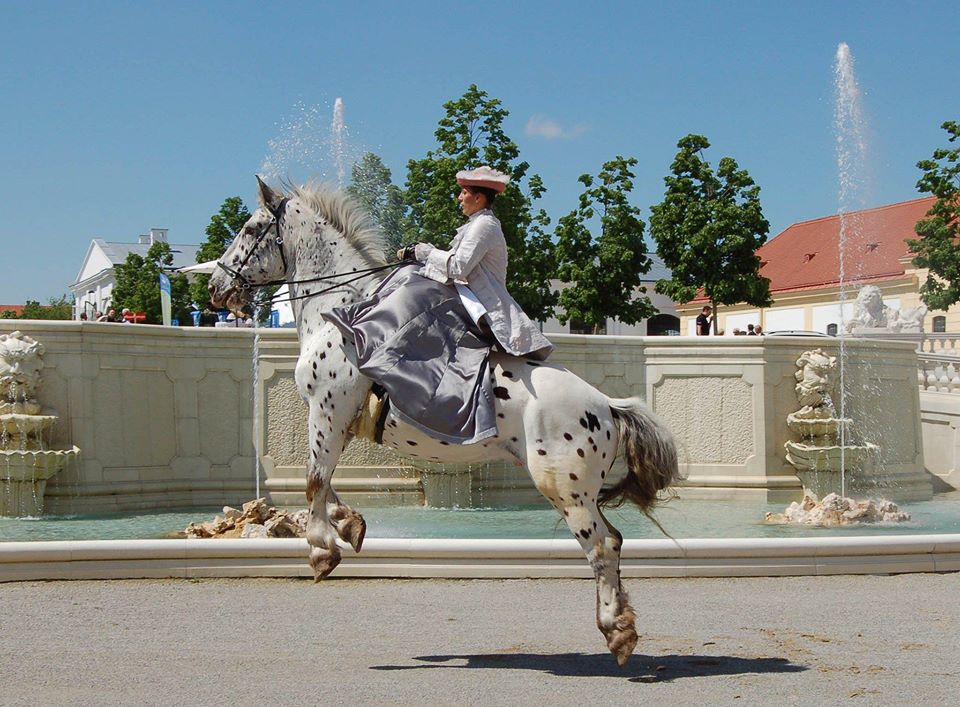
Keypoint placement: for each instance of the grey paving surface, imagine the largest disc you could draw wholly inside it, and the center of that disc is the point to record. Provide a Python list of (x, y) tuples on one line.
[(832, 640)]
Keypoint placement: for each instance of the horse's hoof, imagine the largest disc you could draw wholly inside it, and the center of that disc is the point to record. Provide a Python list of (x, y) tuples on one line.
[(352, 529), (323, 562), (621, 643), (622, 636)]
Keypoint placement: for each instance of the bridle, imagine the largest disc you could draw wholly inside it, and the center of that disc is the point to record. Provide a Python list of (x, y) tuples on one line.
[(276, 220)]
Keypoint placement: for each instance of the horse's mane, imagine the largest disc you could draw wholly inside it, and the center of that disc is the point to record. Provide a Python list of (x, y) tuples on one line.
[(345, 215)]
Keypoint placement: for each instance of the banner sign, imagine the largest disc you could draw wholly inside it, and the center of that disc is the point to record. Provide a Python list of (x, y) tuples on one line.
[(165, 298)]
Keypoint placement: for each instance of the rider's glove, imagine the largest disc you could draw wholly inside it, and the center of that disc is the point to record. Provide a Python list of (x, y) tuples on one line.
[(415, 253), (421, 251)]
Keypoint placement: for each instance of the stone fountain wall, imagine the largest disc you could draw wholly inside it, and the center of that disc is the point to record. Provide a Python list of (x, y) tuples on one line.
[(165, 416)]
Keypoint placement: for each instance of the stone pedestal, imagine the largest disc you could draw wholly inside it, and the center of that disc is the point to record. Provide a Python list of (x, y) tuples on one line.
[(23, 479)]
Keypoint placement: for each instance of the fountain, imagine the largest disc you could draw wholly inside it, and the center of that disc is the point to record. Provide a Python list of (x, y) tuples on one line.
[(26, 463), (820, 458)]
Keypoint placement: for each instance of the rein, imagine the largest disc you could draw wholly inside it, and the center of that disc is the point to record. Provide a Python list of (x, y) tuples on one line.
[(276, 221)]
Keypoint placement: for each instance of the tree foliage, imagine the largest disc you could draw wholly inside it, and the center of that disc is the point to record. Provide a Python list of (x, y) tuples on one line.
[(60, 308), (469, 135), (938, 249), (708, 228), (138, 285), (223, 228), (372, 187), (603, 270)]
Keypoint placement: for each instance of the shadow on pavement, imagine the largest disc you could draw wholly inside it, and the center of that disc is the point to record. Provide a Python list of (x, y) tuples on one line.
[(640, 668)]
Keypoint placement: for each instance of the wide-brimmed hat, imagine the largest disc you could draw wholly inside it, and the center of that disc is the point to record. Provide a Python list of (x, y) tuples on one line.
[(484, 176)]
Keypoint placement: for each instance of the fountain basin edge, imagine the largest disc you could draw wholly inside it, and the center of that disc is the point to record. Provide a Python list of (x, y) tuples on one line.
[(478, 558)]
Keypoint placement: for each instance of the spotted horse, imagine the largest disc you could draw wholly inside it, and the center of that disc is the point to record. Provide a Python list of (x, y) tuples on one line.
[(565, 432)]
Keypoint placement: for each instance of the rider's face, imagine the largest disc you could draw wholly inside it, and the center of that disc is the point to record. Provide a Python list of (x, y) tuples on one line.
[(471, 203)]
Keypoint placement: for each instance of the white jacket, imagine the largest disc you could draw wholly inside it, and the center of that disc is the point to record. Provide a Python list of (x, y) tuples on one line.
[(478, 258)]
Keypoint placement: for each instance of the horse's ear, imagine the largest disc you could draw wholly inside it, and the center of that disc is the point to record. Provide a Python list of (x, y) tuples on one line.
[(267, 196)]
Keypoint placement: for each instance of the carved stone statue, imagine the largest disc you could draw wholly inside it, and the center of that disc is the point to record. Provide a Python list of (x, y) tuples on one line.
[(869, 312), (819, 456), (26, 460), (20, 365), (814, 384)]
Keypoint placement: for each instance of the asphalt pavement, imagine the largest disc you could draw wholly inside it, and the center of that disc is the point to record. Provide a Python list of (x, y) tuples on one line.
[(794, 640)]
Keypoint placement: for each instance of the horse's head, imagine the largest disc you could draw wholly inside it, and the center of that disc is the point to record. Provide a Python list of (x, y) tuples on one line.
[(256, 256)]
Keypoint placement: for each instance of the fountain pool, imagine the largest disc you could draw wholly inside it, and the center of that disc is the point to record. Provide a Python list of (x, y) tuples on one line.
[(681, 518)]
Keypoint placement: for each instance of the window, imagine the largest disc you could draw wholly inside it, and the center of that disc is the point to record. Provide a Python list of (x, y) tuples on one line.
[(832, 329), (939, 325), (579, 327), (663, 325)]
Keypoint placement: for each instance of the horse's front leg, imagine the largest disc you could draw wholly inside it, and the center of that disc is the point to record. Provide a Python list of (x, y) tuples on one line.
[(329, 516), (321, 533), (333, 403)]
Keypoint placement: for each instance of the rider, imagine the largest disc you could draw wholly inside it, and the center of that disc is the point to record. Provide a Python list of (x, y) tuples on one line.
[(476, 264), (425, 334)]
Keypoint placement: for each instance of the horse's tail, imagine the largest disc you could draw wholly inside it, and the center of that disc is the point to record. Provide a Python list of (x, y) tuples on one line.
[(650, 452)]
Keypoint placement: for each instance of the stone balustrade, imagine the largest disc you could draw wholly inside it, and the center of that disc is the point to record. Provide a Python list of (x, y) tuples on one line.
[(939, 372), (948, 344)]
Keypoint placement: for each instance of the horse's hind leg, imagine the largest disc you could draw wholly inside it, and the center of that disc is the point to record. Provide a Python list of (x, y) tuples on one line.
[(574, 494)]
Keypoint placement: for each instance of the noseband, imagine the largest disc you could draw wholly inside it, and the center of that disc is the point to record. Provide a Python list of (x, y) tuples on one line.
[(276, 219)]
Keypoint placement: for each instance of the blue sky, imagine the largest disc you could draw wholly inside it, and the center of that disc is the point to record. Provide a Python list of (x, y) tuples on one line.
[(122, 116)]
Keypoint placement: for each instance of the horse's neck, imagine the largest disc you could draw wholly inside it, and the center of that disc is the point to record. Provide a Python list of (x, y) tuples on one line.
[(325, 253)]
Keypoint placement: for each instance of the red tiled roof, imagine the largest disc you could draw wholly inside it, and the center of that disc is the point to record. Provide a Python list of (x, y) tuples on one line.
[(15, 308), (806, 254)]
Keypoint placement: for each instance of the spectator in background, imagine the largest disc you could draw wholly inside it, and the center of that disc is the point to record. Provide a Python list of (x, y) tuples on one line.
[(750, 330), (208, 317), (126, 316), (758, 330), (704, 320)]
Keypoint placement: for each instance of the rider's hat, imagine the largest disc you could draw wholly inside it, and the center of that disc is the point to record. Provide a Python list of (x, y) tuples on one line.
[(484, 176)]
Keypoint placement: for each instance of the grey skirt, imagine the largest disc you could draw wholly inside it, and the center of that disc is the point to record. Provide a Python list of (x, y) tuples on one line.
[(414, 337)]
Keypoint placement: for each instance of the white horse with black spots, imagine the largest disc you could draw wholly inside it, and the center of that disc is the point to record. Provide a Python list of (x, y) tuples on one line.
[(564, 431)]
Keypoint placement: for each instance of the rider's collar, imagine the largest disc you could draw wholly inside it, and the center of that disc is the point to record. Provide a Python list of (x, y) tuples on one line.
[(481, 212)]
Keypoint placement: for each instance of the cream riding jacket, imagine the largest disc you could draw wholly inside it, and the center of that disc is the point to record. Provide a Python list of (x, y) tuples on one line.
[(477, 258)]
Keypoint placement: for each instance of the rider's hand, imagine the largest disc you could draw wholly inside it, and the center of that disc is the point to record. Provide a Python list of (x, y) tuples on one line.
[(415, 253)]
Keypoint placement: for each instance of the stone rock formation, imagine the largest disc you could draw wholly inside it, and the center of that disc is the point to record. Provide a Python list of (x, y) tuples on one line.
[(255, 520), (836, 510)]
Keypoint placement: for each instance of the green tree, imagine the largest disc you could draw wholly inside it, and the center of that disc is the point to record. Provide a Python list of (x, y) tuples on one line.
[(223, 228), (60, 308), (938, 249), (708, 229), (138, 285), (469, 135), (372, 186), (604, 270)]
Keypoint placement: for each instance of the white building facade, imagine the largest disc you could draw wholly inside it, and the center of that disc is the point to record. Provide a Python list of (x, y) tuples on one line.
[(93, 288)]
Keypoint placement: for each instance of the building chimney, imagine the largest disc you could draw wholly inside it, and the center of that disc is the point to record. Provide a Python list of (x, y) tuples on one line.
[(158, 235)]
